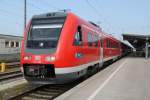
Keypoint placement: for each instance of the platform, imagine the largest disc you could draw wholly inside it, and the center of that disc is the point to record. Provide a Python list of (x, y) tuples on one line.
[(14, 88), (126, 79)]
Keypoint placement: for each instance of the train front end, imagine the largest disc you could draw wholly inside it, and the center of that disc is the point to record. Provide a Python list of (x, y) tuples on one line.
[(39, 49)]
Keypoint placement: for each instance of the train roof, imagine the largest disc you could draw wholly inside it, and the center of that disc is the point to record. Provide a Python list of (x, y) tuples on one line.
[(110, 36), (94, 24), (61, 14), (126, 43), (3, 36), (50, 15)]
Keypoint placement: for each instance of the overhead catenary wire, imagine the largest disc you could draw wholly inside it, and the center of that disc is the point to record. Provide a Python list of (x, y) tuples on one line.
[(10, 13), (105, 20), (6, 13), (14, 5), (45, 3), (34, 6), (98, 14), (50, 5)]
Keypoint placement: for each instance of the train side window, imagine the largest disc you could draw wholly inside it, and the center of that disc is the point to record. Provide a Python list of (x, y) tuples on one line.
[(107, 43), (12, 44), (6, 44), (78, 37), (95, 40), (110, 45), (17, 44), (90, 40), (101, 42)]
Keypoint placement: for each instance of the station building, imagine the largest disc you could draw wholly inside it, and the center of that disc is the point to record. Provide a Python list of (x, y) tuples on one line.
[(141, 43)]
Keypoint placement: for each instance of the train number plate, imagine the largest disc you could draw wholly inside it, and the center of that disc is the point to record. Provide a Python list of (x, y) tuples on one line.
[(33, 68)]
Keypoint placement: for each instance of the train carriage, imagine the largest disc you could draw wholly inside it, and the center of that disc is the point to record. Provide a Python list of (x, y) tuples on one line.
[(60, 47), (112, 47)]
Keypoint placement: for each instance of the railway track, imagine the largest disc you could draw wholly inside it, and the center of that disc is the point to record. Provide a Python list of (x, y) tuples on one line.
[(46, 92), (10, 75)]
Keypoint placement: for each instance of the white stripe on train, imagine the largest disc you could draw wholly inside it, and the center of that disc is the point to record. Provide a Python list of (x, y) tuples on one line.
[(80, 67)]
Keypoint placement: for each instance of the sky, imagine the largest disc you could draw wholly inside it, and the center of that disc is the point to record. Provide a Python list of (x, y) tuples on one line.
[(114, 16)]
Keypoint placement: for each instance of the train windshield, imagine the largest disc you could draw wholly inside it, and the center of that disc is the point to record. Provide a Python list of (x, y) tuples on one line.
[(42, 32), (44, 36)]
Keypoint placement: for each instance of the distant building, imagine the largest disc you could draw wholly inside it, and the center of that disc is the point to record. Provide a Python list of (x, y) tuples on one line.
[(140, 42)]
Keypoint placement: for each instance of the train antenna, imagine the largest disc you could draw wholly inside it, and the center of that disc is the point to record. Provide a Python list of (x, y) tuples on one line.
[(65, 10)]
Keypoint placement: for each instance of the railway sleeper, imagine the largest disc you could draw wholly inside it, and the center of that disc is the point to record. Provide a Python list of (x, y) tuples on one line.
[(38, 95), (46, 92)]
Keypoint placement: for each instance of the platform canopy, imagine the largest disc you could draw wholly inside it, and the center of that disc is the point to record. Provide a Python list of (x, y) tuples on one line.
[(136, 36), (139, 42)]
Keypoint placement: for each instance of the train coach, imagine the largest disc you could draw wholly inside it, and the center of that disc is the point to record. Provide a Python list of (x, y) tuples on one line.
[(60, 47), (10, 48)]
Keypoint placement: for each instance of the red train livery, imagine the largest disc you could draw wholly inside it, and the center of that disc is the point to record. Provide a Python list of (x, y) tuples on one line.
[(60, 47)]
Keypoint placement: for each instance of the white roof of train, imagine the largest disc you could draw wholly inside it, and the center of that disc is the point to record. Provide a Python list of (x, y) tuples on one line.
[(13, 37)]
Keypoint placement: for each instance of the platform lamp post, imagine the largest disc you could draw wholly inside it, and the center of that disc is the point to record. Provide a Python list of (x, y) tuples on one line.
[(146, 48), (25, 13)]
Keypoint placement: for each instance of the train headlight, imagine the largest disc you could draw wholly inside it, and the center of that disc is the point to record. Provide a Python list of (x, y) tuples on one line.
[(50, 58), (27, 57)]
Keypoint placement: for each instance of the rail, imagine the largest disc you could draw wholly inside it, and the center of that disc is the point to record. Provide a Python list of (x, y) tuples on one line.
[(44, 92), (5, 76)]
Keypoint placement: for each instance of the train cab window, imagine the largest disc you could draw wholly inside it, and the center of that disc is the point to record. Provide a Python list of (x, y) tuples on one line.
[(78, 37), (44, 36)]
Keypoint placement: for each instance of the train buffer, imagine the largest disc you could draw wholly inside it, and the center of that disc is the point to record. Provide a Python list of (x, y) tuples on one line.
[(126, 79)]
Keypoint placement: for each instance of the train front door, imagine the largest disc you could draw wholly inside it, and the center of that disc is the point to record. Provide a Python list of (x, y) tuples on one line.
[(101, 50)]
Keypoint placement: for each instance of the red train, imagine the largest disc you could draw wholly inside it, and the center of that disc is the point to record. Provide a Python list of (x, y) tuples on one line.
[(60, 47)]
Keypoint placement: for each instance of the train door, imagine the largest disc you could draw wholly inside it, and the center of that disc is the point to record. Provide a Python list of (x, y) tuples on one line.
[(101, 50), (79, 43)]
